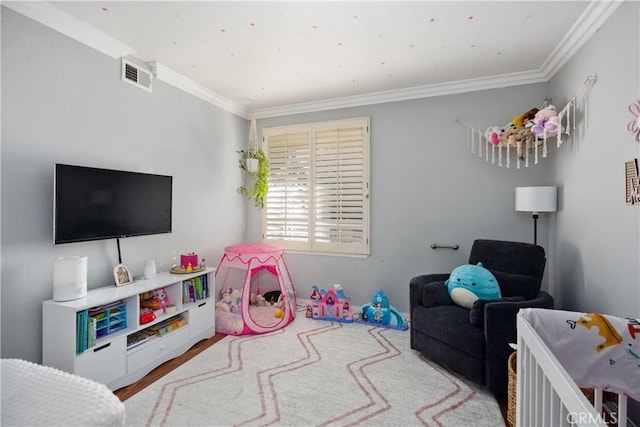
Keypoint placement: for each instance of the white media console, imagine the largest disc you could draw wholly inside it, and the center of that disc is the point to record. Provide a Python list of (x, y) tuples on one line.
[(101, 337)]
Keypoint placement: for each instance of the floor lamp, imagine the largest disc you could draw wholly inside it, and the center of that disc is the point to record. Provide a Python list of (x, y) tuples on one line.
[(536, 200)]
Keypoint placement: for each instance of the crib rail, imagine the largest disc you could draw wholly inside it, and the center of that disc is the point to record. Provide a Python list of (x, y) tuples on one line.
[(546, 394)]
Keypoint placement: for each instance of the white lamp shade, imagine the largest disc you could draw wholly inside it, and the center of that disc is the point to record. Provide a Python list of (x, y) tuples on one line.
[(536, 199)]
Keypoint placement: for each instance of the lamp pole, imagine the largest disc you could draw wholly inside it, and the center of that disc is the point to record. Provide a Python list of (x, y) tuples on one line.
[(535, 200)]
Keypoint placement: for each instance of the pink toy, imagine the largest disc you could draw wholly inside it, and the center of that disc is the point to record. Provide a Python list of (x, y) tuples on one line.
[(253, 281), (163, 296), (546, 122), (331, 305), (493, 134), (186, 260)]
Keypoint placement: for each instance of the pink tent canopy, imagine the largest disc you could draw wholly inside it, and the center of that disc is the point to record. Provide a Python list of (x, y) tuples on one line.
[(245, 274)]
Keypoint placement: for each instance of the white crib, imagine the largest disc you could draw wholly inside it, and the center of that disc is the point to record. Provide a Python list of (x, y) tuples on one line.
[(546, 394)]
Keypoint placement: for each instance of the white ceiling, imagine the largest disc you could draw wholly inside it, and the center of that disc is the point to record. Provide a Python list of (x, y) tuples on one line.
[(294, 56)]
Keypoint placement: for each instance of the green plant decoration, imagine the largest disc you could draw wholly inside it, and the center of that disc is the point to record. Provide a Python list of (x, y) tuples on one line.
[(255, 183)]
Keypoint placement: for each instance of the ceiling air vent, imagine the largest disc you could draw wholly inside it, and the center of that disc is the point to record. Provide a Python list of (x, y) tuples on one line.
[(134, 74)]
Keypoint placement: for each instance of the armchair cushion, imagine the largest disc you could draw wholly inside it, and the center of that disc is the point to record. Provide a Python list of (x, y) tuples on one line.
[(509, 257), (435, 294), (512, 284), (476, 314), (450, 324), (429, 290)]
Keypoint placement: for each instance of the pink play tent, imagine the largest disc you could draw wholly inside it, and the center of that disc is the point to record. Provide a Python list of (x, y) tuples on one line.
[(254, 292)]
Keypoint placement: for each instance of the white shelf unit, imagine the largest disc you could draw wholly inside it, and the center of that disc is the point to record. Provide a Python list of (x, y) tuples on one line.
[(109, 360)]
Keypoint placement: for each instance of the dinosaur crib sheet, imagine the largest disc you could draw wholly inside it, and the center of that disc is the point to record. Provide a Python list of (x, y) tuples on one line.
[(597, 350)]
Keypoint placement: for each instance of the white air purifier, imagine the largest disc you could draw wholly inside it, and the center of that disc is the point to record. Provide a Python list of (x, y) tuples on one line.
[(70, 278), (149, 269)]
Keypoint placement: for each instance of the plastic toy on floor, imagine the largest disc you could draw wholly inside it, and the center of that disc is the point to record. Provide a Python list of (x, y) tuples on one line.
[(331, 305), (381, 313)]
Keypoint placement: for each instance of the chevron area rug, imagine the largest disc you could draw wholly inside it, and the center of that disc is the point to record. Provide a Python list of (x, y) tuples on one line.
[(313, 373)]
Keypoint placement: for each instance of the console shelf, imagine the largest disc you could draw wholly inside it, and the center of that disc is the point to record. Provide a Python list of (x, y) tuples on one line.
[(101, 336)]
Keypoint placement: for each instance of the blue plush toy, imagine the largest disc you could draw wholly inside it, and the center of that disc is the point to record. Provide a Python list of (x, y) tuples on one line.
[(469, 283)]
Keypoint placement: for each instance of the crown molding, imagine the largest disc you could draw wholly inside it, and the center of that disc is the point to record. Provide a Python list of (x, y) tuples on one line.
[(426, 91), (596, 13), (173, 78), (52, 17)]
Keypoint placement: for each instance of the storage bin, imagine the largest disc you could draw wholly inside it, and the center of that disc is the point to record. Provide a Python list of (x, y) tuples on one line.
[(110, 319)]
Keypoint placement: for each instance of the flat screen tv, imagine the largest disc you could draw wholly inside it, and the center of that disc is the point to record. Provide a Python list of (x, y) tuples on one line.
[(94, 204)]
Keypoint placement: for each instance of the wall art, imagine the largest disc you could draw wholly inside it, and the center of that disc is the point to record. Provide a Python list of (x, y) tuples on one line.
[(634, 124), (632, 182)]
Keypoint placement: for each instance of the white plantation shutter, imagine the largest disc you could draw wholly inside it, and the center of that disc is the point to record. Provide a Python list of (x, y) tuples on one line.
[(287, 210), (318, 197)]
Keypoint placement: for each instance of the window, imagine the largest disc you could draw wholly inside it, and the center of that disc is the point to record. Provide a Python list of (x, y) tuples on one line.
[(318, 197)]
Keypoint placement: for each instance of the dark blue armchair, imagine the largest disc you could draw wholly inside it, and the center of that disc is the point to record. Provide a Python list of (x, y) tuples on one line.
[(475, 342)]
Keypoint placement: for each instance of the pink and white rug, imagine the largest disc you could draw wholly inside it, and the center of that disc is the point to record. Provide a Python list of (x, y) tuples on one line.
[(313, 373)]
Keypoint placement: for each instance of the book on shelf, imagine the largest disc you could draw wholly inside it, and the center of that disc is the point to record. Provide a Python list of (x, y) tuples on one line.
[(82, 331), (79, 332), (195, 289), (92, 332)]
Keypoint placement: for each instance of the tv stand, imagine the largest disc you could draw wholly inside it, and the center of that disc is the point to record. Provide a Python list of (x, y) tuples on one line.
[(106, 336)]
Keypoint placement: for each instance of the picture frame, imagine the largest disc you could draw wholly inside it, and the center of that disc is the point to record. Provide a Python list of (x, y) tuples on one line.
[(632, 182), (122, 275)]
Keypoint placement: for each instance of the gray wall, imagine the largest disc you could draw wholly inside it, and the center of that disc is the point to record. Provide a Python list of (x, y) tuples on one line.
[(426, 187), (597, 236), (64, 102)]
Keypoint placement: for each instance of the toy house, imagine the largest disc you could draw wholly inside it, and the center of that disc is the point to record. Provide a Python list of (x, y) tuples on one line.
[(380, 313), (331, 305)]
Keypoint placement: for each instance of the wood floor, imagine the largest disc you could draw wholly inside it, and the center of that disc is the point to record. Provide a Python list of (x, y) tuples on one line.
[(162, 370)]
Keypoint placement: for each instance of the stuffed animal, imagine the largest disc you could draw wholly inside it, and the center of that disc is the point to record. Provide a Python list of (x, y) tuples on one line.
[(546, 122), (280, 302), (519, 137), (468, 283), (257, 299), (526, 140), (522, 119), (508, 135), (236, 297), (225, 302), (493, 134), (163, 296)]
